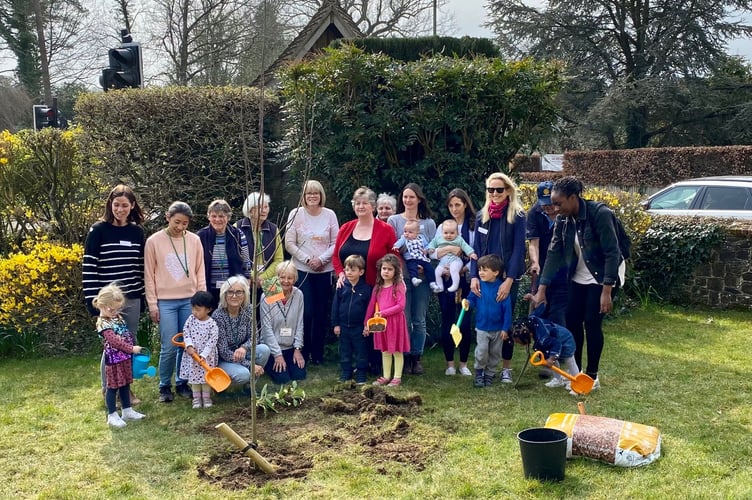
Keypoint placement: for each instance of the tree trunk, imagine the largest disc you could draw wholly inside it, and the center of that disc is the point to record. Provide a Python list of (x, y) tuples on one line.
[(39, 18)]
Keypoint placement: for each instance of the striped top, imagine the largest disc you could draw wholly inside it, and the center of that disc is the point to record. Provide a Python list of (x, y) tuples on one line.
[(113, 253)]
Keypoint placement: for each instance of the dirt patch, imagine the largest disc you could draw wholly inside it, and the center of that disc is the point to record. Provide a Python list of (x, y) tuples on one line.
[(369, 424)]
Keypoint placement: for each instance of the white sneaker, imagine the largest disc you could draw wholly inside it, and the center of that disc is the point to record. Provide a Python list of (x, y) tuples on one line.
[(556, 382), (114, 420), (466, 371), (131, 414), (416, 281), (506, 376), (436, 288), (450, 371), (453, 287)]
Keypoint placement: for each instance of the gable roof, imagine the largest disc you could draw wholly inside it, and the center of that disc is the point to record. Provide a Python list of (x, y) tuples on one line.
[(330, 22)]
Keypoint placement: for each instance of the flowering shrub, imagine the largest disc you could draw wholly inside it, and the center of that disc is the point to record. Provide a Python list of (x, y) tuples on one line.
[(41, 297)]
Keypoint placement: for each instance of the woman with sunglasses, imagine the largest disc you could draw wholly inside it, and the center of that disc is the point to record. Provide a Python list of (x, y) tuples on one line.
[(500, 230)]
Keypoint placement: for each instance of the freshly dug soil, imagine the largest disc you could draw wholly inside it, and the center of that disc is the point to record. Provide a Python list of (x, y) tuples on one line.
[(348, 420)]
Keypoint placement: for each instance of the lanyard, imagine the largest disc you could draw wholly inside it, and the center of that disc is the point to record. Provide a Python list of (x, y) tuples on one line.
[(185, 253), (285, 310)]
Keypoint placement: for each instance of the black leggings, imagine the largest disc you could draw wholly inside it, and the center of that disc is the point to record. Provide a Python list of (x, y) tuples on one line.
[(449, 313), (125, 397), (585, 320)]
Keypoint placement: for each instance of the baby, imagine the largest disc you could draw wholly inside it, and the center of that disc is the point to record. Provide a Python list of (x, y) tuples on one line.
[(449, 237), (415, 245)]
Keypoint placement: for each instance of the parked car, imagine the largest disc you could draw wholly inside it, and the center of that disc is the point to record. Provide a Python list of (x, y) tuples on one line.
[(722, 196)]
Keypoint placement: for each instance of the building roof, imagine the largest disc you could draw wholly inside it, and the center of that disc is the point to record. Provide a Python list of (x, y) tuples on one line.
[(330, 22)]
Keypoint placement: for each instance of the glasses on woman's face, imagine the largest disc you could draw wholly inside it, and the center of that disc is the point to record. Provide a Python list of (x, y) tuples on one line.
[(498, 190), (235, 293)]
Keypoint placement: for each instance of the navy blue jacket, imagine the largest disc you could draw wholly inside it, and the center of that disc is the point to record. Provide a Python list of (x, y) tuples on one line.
[(234, 243), (550, 338), (539, 226), (506, 240), (350, 304)]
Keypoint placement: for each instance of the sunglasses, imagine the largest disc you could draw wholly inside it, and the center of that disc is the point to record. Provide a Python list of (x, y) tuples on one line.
[(500, 190)]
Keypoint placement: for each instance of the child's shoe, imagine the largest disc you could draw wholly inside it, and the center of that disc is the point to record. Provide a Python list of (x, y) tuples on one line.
[(487, 380), (206, 397), (131, 414), (114, 420), (416, 281), (381, 381), (556, 382), (453, 288), (506, 376), (479, 379), (197, 402), (395, 382), (436, 288)]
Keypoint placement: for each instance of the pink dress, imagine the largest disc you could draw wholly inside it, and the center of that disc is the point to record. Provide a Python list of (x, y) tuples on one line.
[(391, 301)]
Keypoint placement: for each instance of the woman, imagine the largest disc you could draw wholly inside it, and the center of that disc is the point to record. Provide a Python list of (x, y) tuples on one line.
[(114, 252), (461, 209), (386, 205), (309, 238), (370, 238), (262, 236), (174, 270), (365, 236), (234, 319), (225, 249), (500, 230), (412, 205), (282, 329)]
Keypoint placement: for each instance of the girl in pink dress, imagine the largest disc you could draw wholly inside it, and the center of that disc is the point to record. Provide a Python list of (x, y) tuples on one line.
[(389, 293)]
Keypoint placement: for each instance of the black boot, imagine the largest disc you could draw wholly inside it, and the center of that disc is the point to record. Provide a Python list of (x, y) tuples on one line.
[(417, 367), (408, 368)]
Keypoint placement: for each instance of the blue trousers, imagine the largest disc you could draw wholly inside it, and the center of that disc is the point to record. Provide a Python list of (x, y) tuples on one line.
[(173, 314), (352, 347)]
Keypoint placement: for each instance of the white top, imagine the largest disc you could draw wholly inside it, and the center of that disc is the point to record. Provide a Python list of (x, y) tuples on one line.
[(308, 236)]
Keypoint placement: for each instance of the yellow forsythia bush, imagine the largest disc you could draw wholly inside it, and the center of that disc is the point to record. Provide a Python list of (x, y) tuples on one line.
[(40, 293)]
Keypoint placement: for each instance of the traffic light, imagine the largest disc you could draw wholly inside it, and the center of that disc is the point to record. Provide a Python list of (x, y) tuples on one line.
[(45, 116), (125, 68)]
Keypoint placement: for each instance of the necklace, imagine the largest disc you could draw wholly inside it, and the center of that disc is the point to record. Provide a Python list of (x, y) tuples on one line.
[(185, 253)]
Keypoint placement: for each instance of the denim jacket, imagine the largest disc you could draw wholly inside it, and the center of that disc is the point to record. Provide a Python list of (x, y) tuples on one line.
[(598, 241)]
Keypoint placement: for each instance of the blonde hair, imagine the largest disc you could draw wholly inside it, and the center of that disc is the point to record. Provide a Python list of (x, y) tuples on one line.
[(313, 186), (287, 266), (109, 296), (367, 193), (515, 206)]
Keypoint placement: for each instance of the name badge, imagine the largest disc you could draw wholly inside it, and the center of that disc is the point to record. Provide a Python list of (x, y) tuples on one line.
[(482, 230), (219, 284), (285, 332), (125, 243)]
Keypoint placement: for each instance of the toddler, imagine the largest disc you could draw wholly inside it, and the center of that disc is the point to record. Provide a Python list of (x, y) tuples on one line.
[(493, 320), (553, 340), (200, 335), (449, 237), (394, 341), (348, 314), (118, 352), (415, 254)]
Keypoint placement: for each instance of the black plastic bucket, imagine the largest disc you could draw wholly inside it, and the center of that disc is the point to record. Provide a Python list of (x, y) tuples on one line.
[(544, 453)]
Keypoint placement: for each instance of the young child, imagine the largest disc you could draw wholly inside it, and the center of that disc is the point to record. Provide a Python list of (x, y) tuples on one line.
[(348, 313), (415, 254), (200, 335), (553, 340), (493, 320), (118, 351), (390, 294), (449, 237)]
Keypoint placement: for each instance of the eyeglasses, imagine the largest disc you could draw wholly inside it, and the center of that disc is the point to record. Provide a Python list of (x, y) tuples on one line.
[(235, 293), (500, 190)]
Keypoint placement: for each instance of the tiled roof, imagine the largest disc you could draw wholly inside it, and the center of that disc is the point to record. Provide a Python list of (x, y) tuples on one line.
[(330, 22)]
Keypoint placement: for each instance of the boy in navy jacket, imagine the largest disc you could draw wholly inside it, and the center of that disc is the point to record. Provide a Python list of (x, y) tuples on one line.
[(348, 316)]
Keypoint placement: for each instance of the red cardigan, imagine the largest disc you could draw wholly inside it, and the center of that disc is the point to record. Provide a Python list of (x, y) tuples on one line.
[(383, 239)]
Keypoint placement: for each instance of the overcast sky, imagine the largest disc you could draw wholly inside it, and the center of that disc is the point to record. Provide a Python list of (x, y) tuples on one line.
[(470, 14)]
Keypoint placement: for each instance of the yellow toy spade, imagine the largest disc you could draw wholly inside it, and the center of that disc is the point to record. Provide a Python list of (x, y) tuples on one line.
[(455, 330)]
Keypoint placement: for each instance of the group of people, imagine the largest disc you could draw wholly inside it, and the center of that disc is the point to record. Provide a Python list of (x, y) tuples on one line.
[(200, 284)]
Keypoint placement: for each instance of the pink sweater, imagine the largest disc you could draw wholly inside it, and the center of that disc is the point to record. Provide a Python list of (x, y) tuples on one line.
[(164, 267)]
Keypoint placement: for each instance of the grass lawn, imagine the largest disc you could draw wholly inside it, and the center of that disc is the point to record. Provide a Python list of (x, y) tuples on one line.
[(685, 372)]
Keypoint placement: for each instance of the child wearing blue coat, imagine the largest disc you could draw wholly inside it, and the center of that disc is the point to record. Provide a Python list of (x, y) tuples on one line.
[(493, 320), (553, 340)]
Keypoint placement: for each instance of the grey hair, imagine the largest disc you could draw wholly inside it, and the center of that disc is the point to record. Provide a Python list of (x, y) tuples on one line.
[(254, 200), (234, 280), (364, 192), (388, 198), (287, 266), (219, 206), (179, 207)]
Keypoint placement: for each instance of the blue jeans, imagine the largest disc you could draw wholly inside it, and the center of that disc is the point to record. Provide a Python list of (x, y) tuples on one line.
[(352, 347), (238, 373), (415, 313), (173, 313)]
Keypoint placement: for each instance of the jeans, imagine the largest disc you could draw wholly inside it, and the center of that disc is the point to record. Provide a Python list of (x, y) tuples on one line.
[(416, 309), (352, 347), (238, 373), (173, 313), (317, 290)]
